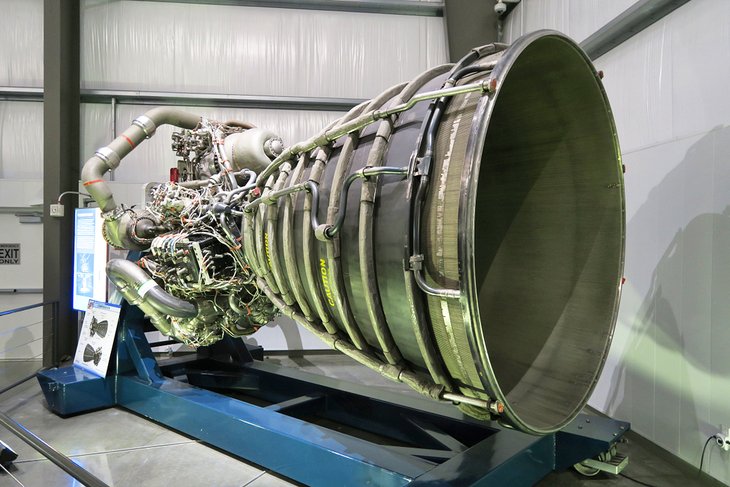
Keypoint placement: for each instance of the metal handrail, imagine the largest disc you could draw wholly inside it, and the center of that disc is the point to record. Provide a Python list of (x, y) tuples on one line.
[(61, 460), (21, 290), (25, 308), (54, 335)]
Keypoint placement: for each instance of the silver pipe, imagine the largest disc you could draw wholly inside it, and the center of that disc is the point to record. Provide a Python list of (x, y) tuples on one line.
[(290, 255), (366, 119), (495, 407), (433, 291), (194, 184), (313, 273), (250, 184), (168, 98), (69, 466), (22, 291), (388, 7), (271, 224), (139, 289), (119, 225), (262, 242)]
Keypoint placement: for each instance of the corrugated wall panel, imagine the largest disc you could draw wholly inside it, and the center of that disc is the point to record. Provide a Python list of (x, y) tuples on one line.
[(21, 65), (247, 50), (21, 49), (21, 140)]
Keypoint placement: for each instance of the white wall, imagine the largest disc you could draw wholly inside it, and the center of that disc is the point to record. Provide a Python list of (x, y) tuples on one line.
[(155, 46), (21, 160), (668, 370), (21, 333)]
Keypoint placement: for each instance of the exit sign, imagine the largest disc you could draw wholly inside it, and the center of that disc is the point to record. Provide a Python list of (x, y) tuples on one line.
[(9, 253)]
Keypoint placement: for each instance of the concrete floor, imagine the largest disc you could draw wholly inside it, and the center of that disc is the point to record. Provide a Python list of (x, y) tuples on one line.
[(124, 449)]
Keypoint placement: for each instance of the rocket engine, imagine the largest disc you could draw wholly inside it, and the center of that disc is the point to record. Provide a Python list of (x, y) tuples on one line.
[(462, 232)]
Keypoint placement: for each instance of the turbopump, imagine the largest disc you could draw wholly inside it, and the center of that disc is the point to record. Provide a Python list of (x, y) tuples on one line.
[(462, 232)]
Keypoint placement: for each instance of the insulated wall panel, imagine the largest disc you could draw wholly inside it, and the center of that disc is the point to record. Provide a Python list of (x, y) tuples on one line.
[(21, 140), (21, 49), (160, 46), (21, 333), (640, 84), (21, 163)]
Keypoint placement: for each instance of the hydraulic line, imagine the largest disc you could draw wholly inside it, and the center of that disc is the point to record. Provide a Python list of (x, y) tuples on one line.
[(423, 174), (323, 231), (363, 121), (272, 223), (289, 247), (312, 272), (393, 372)]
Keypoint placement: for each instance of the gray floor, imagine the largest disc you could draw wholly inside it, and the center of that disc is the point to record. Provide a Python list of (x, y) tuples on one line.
[(124, 449)]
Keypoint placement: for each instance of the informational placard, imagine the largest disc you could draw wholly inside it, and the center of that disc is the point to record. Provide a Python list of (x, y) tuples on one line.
[(90, 255), (97, 337), (9, 254)]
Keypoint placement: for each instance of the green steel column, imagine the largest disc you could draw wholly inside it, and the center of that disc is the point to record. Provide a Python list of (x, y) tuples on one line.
[(61, 163)]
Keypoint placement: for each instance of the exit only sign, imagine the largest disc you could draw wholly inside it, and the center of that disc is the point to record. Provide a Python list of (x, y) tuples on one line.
[(9, 253)]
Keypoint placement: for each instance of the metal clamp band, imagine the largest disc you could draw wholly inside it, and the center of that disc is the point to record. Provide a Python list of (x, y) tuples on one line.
[(114, 214), (145, 288), (146, 124), (109, 156)]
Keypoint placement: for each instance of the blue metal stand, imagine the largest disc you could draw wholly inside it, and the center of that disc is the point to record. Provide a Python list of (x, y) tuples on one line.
[(318, 430)]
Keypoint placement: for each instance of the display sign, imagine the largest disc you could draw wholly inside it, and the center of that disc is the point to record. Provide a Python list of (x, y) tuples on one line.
[(9, 254), (97, 337), (90, 255)]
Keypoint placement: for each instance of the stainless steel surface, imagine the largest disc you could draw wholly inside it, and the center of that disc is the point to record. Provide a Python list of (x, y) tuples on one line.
[(524, 215), (544, 230)]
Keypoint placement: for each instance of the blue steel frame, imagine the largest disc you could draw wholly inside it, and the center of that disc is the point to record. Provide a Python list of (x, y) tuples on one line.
[(292, 422)]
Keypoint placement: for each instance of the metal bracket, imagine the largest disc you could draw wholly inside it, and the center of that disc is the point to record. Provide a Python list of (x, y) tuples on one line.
[(415, 263), (614, 466)]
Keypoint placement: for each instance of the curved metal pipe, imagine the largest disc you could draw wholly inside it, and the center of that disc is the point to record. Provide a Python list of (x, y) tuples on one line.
[(363, 121), (119, 224), (139, 288), (330, 231)]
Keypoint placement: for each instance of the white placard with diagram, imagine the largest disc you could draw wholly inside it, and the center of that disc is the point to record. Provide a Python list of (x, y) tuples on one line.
[(97, 337)]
